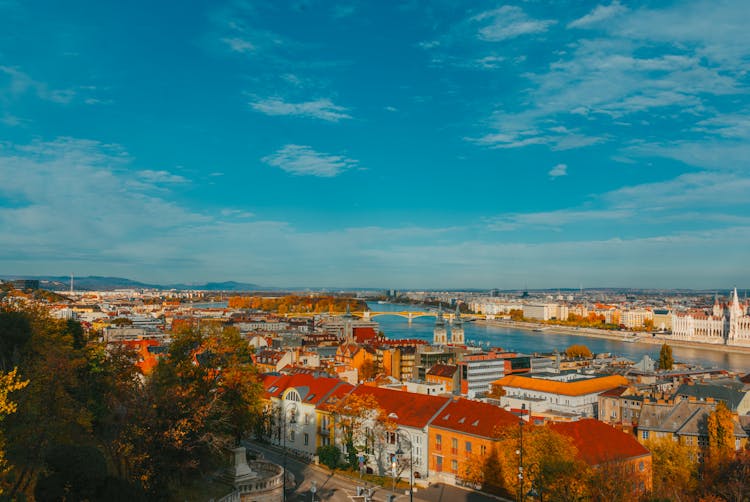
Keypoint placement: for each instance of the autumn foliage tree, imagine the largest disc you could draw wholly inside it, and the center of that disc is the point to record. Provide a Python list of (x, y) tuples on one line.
[(578, 351), (297, 304), (364, 426), (675, 469), (200, 400), (9, 382), (550, 465)]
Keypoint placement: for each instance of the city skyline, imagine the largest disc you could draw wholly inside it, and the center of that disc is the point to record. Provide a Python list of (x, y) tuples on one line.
[(355, 144)]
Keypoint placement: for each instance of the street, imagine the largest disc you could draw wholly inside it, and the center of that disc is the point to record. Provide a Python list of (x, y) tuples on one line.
[(337, 488)]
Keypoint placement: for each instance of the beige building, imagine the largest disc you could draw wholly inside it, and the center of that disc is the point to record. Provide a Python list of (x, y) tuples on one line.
[(634, 319)]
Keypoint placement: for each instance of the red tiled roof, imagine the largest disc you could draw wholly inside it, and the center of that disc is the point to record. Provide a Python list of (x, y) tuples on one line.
[(312, 389), (443, 370), (338, 393), (598, 443), (616, 392), (474, 417), (405, 408)]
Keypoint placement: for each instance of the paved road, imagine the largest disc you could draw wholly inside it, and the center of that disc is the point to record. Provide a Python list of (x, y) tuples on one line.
[(329, 488)]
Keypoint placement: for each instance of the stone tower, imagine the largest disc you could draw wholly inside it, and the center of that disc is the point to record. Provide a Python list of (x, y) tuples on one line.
[(440, 334), (457, 329)]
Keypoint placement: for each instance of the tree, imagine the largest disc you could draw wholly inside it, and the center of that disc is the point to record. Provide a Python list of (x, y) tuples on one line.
[(52, 408), (733, 479), (550, 465), (329, 455), (578, 351), (9, 382), (666, 361), (201, 398), (720, 426), (364, 426), (675, 469), (368, 369)]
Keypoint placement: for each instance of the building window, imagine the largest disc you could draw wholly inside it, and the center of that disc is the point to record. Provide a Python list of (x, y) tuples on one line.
[(438, 442), (454, 465), (644, 434), (641, 466), (483, 449), (468, 446), (439, 464), (307, 439), (454, 446), (291, 436)]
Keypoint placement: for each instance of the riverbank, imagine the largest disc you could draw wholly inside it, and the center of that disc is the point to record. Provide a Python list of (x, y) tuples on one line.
[(619, 336)]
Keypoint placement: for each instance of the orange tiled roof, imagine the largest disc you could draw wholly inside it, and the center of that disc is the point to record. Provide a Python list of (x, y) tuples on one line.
[(474, 417), (577, 388)]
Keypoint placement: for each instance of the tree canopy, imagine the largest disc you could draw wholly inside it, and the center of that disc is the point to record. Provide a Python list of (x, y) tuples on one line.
[(666, 360), (74, 396)]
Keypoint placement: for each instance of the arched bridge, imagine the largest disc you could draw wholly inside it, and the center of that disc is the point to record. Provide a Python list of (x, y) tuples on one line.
[(408, 314)]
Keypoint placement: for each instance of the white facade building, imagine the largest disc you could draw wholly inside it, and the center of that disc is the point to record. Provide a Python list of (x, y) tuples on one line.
[(728, 324)]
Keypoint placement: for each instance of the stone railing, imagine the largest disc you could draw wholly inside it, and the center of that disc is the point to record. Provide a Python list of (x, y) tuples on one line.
[(267, 486)]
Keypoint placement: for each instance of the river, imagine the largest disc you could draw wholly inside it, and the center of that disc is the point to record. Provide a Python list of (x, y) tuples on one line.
[(529, 342)]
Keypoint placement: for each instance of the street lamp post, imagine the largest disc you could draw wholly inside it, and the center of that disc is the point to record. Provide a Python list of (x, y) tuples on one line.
[(400, 452), (292, 420), (521, 495)]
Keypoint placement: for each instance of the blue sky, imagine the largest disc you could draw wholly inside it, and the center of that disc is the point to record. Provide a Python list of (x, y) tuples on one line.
[(416, 144)]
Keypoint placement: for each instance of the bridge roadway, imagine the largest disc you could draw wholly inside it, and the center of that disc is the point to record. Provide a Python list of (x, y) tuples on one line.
[(408, 314)]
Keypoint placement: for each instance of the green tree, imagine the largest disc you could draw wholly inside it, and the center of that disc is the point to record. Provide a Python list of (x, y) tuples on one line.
[(329, 455), (51, 409), (666, 360)]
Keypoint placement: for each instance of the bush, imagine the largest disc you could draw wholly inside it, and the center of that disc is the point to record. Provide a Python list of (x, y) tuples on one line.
[(329, 456)]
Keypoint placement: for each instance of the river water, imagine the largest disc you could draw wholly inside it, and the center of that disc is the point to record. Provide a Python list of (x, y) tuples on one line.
[(529, 342)]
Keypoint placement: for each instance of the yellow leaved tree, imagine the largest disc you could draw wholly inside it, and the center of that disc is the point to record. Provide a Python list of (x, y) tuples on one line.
[(9, 382)]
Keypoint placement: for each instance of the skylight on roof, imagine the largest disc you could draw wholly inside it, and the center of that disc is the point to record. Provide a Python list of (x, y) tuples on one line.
[(446, 417), (273, 389), (463, 419), (475, 423)]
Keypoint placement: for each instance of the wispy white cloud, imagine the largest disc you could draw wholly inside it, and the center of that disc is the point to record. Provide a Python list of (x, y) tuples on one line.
[(323, 109), (161, 177), (599, 14), (558, 170), (508, 22), (19, 83), (239, 44), (302, 160), (554, 219), (142, 232)]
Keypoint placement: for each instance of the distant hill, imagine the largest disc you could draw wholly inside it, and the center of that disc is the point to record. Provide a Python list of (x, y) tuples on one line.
[(99, 283)]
